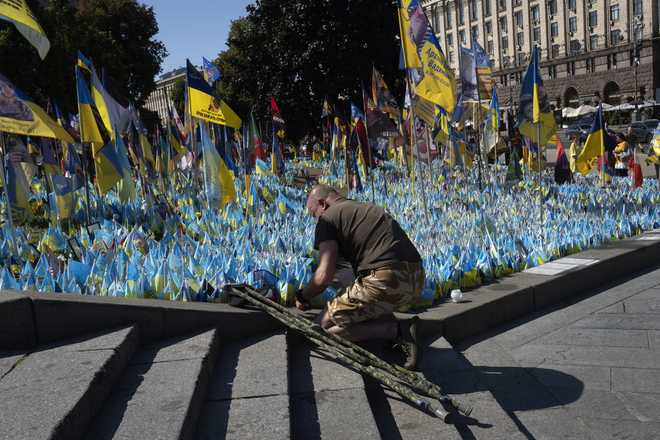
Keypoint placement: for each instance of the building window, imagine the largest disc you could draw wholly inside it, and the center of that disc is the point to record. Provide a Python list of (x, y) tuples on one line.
[(552, 72), (589, 64), (461, 36), (536, 34), (450, 40), (614, 60), (488, 28), (554, 29), (536, 14), (501, 5), (575, 47), (572, 24), (517, 2), (615, 36), (503, 80), (520, 56), (637, 34), (570, 68), (450, 56), (490, 47), (474, 33), (614, 12), (505, 44), (518, 19), (555, 51), (552, 7), (486, 8), (593, 18), (593, 42), (459, 12), (520, 39), (638, 7), (448, 16), (434, 17), (473, 10), (503, 28), (571, 5)]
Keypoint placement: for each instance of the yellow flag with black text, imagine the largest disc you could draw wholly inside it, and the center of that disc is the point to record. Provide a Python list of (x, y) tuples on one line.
[(204, 105), (19, 13)]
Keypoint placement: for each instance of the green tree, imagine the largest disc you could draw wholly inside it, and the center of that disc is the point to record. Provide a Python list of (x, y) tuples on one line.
[(301, 51), (118, 35)]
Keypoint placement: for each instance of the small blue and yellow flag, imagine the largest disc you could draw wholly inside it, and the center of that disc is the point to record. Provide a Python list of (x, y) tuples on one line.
[(63, 189), (218, 180), (535, 119), (594, 147)]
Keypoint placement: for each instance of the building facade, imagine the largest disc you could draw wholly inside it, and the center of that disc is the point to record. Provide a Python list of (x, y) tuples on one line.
[(160, 99), (590, 50)]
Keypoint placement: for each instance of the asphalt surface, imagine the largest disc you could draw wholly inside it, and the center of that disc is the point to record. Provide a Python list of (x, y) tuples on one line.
[(585, 370)]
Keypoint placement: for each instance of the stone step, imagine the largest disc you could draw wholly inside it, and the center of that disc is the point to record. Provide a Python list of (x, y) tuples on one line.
[(55, 391), (249, 393), (161, 393), (328, 400), (441, 364)]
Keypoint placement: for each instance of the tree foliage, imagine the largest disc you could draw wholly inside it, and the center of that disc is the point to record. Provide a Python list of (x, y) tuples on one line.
[(301, 51), (117, 35)]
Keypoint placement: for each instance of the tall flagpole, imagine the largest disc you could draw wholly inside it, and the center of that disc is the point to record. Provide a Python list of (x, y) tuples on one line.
[(85, 160), (413, 140), (366, 131)]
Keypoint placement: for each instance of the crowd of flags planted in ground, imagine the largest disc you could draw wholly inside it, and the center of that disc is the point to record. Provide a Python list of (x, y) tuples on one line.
[(178, 213)]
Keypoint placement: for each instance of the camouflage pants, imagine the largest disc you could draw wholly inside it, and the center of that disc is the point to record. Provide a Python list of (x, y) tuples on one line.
[(377, 294)]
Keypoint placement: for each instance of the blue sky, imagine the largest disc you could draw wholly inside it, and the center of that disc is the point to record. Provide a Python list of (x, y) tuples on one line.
[(194, 28)]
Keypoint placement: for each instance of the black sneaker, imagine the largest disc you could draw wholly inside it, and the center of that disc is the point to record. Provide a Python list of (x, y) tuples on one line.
[(409, 343)]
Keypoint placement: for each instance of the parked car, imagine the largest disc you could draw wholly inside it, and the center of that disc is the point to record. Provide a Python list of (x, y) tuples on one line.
[(641, 132)]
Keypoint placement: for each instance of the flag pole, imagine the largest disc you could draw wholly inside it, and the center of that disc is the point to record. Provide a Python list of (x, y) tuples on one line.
[(366, 131), (84, 160), (414, 140), (540, 178)]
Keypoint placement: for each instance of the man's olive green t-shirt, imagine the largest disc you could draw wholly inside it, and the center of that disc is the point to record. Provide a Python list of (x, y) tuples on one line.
[(368, 236)]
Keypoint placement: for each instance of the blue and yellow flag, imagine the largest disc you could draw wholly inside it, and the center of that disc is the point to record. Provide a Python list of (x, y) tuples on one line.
[(535, 105), (218, 180), (594, 147), (408, 47), (108, 168), (19, 115), (494, 111), (204, 105), (91, 127), (437, 83), (63, 189), (19, 13), (84, 62)]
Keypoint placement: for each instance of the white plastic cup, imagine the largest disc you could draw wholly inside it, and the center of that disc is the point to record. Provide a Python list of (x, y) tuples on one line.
[(456, 295)]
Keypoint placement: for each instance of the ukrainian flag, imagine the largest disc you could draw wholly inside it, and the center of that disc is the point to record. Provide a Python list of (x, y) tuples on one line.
[(63, 190), (218, 180), (89, 123), (535, 105), (594, 147), (204, 105), (108, 168), (84, 62), (262, 168)]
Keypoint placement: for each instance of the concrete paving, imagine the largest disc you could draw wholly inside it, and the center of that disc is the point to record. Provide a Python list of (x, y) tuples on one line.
[(585, 370)]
